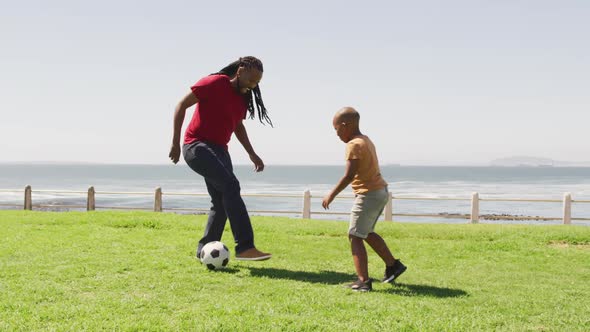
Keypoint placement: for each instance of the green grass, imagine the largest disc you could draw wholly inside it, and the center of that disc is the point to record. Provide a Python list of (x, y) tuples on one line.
[(137, 272)]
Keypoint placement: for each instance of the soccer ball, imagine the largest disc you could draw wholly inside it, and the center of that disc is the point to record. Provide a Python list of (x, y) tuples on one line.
[(215, 255)]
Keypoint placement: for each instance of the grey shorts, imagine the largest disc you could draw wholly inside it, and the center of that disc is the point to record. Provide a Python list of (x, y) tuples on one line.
[(366, 211)]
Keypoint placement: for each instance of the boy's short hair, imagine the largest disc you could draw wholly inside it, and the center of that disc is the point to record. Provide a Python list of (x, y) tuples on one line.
[(349, 114)]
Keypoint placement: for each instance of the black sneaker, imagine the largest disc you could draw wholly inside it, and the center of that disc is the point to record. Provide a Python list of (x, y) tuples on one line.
[(394, 271), (360, 286)]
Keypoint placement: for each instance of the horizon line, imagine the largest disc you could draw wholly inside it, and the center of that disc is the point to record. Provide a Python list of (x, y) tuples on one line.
[(489, 164)]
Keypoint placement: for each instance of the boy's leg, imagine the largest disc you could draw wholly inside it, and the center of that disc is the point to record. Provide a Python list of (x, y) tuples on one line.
[(378, 244), (393, 267), (214, 164), (376, 201), (216, 220), (359, 257), (364, 215), (361, 220)]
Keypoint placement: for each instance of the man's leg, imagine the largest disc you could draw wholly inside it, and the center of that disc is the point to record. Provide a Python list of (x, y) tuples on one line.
[(216, 220), (214, 164)]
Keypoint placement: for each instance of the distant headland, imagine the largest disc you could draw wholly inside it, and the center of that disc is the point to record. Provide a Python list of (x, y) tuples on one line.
[(526, 161)]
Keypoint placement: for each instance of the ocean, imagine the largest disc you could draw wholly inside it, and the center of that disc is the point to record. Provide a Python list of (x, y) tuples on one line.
[(547, 183)]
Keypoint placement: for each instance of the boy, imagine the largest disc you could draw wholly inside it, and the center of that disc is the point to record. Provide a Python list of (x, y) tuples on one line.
[(371, 195)]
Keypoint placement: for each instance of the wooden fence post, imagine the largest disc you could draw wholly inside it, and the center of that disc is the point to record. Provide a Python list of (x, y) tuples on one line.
[(158, 200), (28, 198), (474, 208), (567, 208), (306, 214), (90, 200), (389, 208)]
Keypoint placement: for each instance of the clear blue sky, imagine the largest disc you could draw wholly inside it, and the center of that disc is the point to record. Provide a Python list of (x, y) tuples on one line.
[(436, 82)]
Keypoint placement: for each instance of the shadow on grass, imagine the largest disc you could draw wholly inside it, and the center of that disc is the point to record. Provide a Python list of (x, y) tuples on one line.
[(335, 278), (323, 277), (423, 290), (228, 270)]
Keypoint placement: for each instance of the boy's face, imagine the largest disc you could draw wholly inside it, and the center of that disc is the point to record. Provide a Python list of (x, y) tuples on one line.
[(342, 129)]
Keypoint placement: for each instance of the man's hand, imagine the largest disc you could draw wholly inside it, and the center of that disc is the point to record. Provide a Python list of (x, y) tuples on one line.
[(258, 163), (174, 153)]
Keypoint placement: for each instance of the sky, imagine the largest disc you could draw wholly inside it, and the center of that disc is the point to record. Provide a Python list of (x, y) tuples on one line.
[(436, 82)]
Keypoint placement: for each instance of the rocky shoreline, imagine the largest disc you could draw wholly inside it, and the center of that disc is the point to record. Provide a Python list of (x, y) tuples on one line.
[(446, 215), (493, 216)]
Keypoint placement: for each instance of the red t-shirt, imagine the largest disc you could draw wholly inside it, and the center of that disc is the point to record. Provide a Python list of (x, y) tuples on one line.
[(219, 110)]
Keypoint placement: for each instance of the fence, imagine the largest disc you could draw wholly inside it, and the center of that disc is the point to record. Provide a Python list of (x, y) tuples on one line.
[(305, 212)]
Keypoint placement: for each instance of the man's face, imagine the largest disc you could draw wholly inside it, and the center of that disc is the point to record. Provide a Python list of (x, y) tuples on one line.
[(248, 79)]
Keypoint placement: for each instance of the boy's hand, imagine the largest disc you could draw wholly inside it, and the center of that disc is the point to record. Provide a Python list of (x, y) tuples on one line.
[(327, 200)]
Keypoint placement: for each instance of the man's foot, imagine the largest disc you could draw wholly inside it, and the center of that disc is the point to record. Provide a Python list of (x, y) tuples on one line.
[(362, 286), (253, 254), (199, 248), (394, 271)]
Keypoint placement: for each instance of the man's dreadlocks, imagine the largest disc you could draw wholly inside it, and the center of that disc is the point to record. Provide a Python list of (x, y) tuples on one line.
[(249, 62)]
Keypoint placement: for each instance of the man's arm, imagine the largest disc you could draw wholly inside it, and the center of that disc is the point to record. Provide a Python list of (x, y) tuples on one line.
[(242, 136), (189, 100), (352, 167)]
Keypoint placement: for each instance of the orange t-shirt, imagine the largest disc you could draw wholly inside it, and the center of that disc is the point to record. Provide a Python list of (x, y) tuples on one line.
[(368, 176)]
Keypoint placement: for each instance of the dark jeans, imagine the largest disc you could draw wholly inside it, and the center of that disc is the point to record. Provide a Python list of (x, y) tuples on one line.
[(214, 164)]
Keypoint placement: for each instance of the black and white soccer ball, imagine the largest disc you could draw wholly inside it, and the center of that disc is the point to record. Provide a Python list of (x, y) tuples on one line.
[(215, 255)]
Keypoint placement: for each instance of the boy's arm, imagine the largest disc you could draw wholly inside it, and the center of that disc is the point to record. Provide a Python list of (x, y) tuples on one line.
[(242, 136), (352, 167)]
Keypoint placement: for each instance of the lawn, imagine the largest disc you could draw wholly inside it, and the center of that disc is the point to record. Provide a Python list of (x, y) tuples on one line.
[(136, 271)]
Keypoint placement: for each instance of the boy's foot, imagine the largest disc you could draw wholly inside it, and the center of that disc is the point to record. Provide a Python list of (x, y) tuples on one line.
[(362, 286), (394, 271), (253, 254)]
